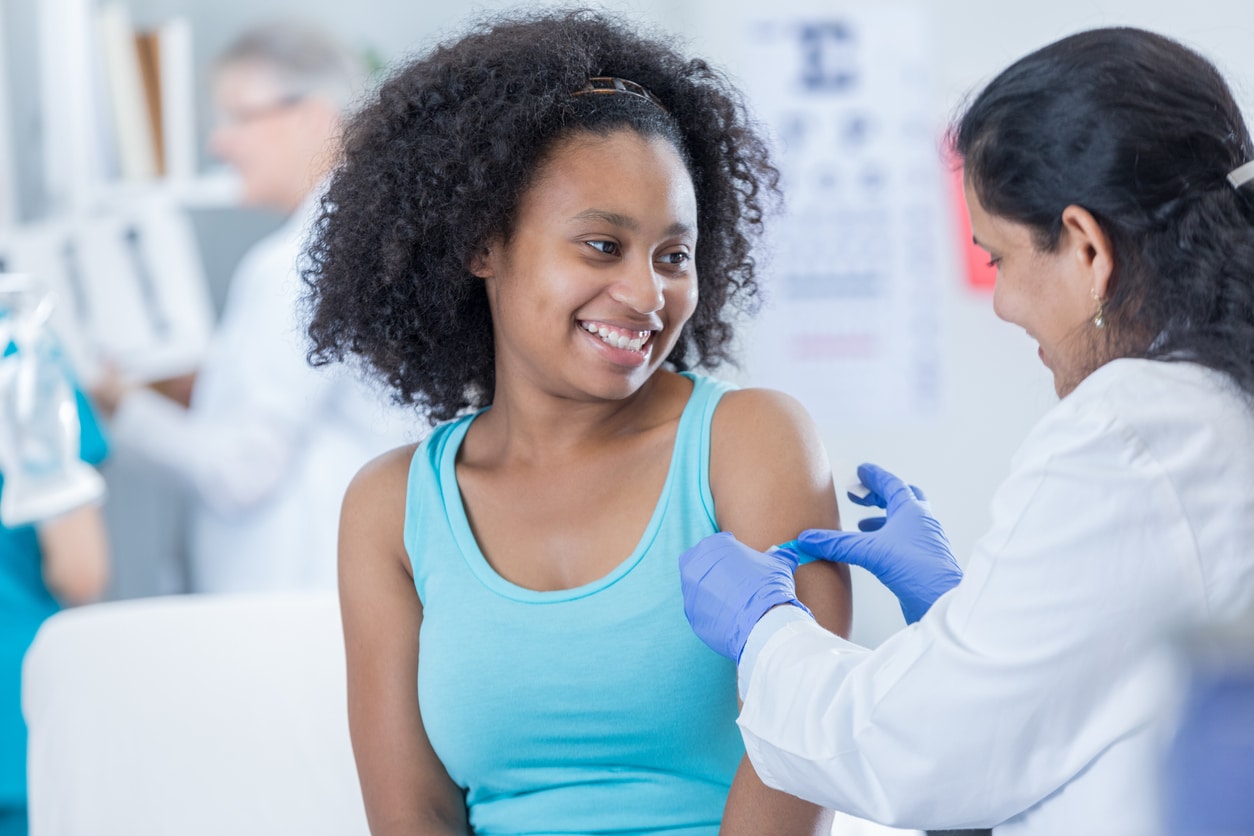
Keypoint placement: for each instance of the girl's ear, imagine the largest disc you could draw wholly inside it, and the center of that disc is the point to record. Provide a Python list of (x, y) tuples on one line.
[(482, 263)]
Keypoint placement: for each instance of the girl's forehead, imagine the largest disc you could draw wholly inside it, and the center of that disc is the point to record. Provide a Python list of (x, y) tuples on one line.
[(581, 141), (622, 167)]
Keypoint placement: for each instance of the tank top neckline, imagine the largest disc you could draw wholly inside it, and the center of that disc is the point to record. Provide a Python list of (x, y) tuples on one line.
[(468, 546)]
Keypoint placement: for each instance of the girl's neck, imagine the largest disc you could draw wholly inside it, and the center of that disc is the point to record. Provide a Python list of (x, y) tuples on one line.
[(529, 424)]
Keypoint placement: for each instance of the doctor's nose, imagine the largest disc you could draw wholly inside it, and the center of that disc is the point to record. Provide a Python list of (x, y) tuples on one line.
[(640, 288)]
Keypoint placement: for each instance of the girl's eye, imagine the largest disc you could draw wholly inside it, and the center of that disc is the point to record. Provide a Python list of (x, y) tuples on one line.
[(607, 247), (677, 259)]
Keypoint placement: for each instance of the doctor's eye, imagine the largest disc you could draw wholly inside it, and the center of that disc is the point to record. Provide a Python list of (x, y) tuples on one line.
[(995, 262)]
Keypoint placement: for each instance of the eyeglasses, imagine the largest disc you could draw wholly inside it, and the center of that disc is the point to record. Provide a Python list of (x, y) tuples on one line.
[(234, 118)]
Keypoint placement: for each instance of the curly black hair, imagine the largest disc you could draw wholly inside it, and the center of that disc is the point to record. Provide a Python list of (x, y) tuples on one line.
[(1142, 132), (435, 164)]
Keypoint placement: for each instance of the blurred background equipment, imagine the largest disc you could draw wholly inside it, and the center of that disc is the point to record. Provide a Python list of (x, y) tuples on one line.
[(39, 420), (1209, 772)]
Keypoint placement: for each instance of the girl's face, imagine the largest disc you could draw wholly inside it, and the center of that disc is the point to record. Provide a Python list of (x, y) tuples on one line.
[(591, 291), (1052, 295)]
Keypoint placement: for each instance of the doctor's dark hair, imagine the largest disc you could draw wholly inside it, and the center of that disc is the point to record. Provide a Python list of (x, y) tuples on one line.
[(434, 167), (1141, 132)]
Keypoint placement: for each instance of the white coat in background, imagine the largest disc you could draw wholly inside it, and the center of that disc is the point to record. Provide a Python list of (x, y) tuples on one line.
[(1029, 697), (269, 444)]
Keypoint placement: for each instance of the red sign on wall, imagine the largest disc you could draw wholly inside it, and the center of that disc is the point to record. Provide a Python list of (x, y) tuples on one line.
[(980, 275)]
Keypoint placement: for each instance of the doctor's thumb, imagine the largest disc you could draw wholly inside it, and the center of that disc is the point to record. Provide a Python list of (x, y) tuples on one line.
[(837, 546)]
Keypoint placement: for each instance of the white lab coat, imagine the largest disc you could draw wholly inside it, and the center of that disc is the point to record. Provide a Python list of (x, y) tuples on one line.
[(1030, 697), (269, 444)]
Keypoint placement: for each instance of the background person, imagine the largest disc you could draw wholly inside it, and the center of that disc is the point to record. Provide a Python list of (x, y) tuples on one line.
[(542, 222), (62, 560), (266, 443), (1109, 177)]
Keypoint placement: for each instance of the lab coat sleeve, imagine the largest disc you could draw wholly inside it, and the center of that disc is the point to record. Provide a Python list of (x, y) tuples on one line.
[(237, 453), (1017, 678), (231, 465)]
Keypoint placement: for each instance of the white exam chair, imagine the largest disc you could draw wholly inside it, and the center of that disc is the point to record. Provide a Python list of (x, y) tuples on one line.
[(200, 716), (191, 716)]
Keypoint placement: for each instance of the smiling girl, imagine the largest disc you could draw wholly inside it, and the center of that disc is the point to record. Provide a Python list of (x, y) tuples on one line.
[(536, 232)]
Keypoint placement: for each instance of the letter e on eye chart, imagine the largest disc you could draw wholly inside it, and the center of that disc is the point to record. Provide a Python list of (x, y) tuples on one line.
[(851, 321)]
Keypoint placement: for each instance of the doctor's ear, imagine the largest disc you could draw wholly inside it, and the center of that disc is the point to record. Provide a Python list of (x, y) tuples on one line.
[(1090, 247)]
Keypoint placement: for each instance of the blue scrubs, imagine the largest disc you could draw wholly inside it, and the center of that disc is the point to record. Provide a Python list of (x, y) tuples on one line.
[(24, 604)]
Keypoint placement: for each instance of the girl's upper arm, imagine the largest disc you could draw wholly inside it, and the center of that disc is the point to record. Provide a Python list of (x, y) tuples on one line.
[(771, 480), (405, 787)]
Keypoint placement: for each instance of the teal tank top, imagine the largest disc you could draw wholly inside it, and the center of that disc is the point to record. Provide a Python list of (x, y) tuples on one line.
[(591, 710)]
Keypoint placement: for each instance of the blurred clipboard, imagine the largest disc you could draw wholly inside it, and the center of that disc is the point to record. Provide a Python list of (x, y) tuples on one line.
[(128, 287)]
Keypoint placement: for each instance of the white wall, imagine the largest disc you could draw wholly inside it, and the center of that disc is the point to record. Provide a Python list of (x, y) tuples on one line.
[(993, 386)]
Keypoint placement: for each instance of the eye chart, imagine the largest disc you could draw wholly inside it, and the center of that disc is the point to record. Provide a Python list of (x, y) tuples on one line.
[(853, 281)]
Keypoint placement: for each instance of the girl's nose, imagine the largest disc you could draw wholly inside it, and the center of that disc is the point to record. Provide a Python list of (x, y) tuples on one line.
[(640, 288)]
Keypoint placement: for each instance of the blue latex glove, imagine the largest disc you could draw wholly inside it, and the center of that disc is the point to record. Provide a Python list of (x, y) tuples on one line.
[(729, 586), (907, 550)]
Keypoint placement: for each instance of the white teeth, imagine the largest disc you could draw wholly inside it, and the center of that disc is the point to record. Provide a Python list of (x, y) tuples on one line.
[(617, 339)]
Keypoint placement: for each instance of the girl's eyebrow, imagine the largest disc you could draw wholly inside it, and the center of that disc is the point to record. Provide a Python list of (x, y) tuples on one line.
[(627, 223)]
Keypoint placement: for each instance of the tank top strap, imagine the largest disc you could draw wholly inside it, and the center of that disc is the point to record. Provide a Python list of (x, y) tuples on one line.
[(692, 441), (426, 508)]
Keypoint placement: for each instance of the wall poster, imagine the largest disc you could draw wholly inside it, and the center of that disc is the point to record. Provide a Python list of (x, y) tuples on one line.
[(851, 321)]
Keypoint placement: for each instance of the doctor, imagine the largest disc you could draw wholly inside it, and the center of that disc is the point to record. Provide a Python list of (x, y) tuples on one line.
[(1110, 176), (266, 443)]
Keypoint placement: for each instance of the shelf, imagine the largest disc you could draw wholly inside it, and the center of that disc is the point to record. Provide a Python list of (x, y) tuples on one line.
[(218, 189), (117, 107)]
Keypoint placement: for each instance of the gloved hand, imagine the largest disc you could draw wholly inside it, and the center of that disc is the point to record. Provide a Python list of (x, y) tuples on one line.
[(907, 550), (729, 586)]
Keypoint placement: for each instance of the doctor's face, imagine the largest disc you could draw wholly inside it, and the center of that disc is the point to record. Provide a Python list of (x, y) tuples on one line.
[(1047, 293), (274, 140)]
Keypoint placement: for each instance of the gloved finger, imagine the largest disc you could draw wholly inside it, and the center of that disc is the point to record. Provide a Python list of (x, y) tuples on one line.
[(895, 492), (696, 562), (699, 570), (852, 547), (860, 494), (871, 500), (786, 556), (918, 493), (791, 549), (872, 523), (828, 544), (799, 556)]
